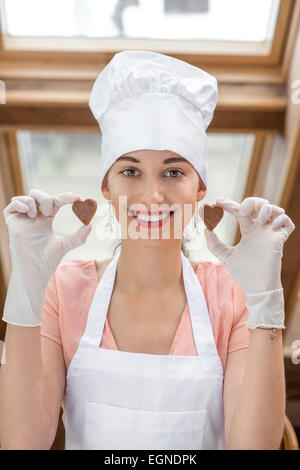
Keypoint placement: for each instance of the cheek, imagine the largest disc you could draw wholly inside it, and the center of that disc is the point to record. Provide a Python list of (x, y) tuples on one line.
[(188, 188), (125, 186), (186, 196)]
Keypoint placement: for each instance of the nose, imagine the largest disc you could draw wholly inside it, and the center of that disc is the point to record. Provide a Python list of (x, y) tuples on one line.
[(153, 192)]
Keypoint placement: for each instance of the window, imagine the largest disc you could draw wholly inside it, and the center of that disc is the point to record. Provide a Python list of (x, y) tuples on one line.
[(190, 26), (205, 20)]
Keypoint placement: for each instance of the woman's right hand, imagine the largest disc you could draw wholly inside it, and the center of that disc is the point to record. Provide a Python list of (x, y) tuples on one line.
[(35, 249)]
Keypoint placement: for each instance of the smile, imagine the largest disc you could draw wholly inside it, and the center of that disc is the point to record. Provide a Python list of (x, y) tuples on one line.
[(151, 221)]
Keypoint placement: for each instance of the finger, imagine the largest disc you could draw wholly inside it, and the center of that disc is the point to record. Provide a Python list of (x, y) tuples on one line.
[(44, 200), (15, 206), (268, 213), (251, 205), (229, 205), (216, 246), (233, 208), (65, 198), (78, 238), (284, 221), (30, 202)]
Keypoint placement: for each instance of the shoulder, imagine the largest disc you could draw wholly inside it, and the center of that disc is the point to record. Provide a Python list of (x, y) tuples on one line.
[(76, 281), (217, 281), (74, 271), (82, 268), (221, 289), (72, 265), (209, 267)]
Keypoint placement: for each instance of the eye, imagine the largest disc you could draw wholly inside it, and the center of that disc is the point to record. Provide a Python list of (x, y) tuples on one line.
[(175, 171), (128, 169)]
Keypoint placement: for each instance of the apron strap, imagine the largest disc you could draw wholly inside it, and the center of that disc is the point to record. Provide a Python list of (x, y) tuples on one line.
[(201, 325), (100, 303)]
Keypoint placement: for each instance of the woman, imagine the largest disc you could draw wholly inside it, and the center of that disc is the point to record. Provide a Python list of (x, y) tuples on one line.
[(143, 393)]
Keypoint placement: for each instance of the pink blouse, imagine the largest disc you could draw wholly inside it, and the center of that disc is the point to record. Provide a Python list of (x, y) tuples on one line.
[(71, 289)]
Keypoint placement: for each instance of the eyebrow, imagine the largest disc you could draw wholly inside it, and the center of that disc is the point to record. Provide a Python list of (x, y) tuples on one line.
[(168, 160)]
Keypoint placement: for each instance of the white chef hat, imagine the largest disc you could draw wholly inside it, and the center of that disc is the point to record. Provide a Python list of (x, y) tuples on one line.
[(147, 100)]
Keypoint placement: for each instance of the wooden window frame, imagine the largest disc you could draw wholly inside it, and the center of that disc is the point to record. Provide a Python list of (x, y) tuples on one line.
[(205, 52)]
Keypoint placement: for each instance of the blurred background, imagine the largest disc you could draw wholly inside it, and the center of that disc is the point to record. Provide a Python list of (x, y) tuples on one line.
[(51, 52)]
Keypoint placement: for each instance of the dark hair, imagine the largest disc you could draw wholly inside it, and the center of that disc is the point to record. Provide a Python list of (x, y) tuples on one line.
[(119, 243)]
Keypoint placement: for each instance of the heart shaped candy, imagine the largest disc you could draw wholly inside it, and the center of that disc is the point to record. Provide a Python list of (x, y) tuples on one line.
[(211, 215), (85, 210)]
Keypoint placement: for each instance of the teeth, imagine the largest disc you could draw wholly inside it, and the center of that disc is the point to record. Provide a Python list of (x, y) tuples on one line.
[(146, 218), (153, 218)]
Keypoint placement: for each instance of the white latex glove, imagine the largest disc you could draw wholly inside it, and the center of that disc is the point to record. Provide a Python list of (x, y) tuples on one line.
[(35, 252), (255, 262)]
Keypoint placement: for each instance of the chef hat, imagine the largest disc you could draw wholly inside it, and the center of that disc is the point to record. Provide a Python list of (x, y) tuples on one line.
[(146, 100)]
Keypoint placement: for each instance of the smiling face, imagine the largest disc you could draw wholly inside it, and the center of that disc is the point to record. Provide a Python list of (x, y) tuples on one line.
[(153, 182)]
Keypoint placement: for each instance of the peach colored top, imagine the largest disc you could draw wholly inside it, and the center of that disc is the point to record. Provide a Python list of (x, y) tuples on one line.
[(70, 291)]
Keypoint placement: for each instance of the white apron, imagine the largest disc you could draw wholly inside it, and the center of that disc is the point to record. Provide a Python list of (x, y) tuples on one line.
[(124, 400)]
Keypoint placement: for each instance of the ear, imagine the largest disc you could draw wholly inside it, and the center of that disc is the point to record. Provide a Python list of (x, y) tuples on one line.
[(201, 190), (105, 190)]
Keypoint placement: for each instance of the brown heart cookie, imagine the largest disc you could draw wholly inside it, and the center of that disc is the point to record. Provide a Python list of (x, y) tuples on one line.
[(85, 210), (211, 215)]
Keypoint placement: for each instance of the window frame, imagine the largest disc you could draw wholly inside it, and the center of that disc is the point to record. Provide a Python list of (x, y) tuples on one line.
[(233, 53)]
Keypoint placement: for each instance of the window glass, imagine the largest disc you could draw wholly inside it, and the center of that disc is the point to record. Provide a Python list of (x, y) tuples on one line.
[(206, 20)]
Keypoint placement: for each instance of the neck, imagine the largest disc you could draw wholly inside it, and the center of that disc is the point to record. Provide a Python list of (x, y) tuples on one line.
[(149, 269)]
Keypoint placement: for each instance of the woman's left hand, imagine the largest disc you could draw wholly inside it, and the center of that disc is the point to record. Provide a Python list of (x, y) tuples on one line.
[(255, 262)]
